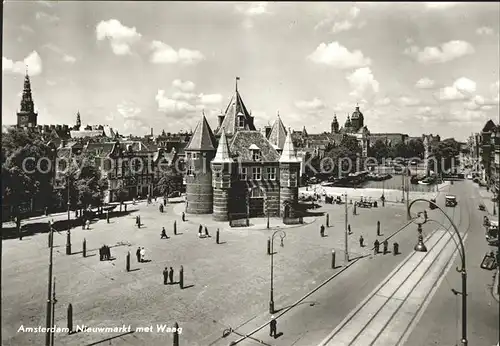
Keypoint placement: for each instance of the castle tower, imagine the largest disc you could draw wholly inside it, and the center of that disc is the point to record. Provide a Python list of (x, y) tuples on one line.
[(335, 124), (236, 117), (347, 125), (289, 179), (199, 153), (278, 134), (222, 176), (26, 115)]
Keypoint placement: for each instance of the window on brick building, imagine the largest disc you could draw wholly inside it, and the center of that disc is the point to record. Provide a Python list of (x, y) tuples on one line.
[(243, 173), (271, 173), (256, 173)]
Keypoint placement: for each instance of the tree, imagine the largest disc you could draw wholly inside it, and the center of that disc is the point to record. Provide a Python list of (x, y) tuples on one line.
[(443, 154), (416, 148), (379, 150), (168, 182), (345, 154)]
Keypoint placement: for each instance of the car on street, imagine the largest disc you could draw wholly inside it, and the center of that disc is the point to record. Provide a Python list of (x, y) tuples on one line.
[(450, 200), (492, 232)]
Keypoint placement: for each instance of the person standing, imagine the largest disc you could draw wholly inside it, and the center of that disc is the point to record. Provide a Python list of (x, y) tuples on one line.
[(322, 231), (386, 245), (165, 276), (171, 275), (163, 233), (376, 246), (138, 254), (272, 327), (206, 232)]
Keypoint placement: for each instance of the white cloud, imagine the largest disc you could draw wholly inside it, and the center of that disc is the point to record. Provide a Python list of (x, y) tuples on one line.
[(425, 83), (341, 26), (383, 102), (48, 17), (253, 9), (121, 37), (495, 90), (69, 58), (211, 99), (338, 56), (440, 5), (32, 62), (128, 109), (428, 111), (51, 82), (363, 82), (354, 12), (312, 106), (484, 30), (409, 101), (183, 85), (461, 89), (164, 54), (447, 52), (174, 107), (186, 96), (27, 28)]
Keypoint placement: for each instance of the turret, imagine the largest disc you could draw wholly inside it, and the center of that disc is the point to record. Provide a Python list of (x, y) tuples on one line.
[(199, 153), (78, 121), (289, 179), (222, 176), (335, 124)]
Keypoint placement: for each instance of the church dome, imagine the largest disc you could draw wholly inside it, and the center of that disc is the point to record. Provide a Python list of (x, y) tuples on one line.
[(357, 114)]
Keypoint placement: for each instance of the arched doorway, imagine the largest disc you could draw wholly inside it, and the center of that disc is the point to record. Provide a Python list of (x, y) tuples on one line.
[(256, 197)]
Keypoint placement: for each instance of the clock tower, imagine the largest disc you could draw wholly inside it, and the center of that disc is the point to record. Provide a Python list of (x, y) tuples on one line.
[(26, 117)]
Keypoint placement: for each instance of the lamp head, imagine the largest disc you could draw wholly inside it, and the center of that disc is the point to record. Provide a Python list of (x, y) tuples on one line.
[(420, 247)]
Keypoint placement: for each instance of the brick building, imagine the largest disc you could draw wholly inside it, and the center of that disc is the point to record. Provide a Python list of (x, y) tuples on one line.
[(245, 174)]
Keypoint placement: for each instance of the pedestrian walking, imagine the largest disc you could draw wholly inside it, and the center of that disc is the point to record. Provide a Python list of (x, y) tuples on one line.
[(206, 232), (171, 275), (199, 232), (88, 224), (138, 254), (164, 201), (361, 241), (376, 246), (163, 233), (396, 249), (273, 327), (143, 254), (165, 276), (385, 244), (101, 253), (183, 216), (349, 229), (322, 231)]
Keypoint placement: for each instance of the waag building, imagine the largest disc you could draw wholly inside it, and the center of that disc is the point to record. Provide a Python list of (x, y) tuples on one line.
[(237, 171)]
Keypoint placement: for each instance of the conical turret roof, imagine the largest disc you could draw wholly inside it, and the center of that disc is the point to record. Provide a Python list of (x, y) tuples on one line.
[(278, 133), (288, 154), (203, 138), (222, 154)]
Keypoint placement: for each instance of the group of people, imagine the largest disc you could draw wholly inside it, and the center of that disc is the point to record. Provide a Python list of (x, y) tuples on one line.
[(168, 275), (385, 244), (200, 232), (104, 253), (140, 254)]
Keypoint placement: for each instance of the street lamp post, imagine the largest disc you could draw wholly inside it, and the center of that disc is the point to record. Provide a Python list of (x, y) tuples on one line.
[(48, 321), (346, 254), (282, 235), (420, 247)]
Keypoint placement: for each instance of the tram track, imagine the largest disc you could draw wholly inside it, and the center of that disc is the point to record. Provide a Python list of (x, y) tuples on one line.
[(440, 244)]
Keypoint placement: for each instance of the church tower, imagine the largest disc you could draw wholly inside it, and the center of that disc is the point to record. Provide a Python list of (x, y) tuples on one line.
[(335, 124), (199, 153), (289, 179), (26, 117), (222, 177), (78, 121), (357, 120)]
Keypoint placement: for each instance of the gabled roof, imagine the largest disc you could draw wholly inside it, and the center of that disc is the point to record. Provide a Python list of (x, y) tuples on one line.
[(243, 140), (222, 154), (489, 126), (278, 133), (288, 154), (203, 138), (235, 109)]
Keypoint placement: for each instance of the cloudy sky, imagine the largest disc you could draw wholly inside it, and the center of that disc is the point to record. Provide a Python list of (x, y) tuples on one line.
[(413, 68)]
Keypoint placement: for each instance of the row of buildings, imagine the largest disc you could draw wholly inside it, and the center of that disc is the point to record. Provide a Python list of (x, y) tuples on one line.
[(484, 151), (236, 170)]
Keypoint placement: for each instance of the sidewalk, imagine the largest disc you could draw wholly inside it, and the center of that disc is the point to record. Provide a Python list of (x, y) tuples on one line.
[(487, 199), (256, 223), (494, 288)]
